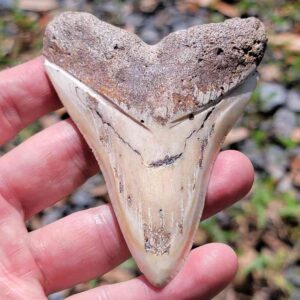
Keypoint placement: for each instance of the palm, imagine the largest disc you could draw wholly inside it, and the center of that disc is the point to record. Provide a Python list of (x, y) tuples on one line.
[(86, 244)]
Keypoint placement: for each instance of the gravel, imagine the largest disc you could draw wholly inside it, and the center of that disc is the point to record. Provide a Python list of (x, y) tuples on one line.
[(272, 95), (293, 101), (284, 122)]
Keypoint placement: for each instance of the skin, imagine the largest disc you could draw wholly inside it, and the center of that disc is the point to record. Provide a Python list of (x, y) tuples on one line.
[(86, 244)]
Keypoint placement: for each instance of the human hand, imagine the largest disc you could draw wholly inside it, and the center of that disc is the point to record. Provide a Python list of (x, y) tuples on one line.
[(86, 244)]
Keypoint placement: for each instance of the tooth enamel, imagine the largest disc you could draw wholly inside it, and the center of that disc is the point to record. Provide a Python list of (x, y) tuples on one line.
[(154, 165), (156, 159)]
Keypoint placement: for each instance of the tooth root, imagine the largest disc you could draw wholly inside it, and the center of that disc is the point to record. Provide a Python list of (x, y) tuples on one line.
[(157, 177)]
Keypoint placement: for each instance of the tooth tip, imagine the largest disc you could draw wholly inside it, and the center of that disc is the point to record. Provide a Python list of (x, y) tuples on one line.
[(160, 270)]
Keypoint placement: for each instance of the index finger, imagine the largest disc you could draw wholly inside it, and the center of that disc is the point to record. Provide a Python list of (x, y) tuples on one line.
[(25, 95)]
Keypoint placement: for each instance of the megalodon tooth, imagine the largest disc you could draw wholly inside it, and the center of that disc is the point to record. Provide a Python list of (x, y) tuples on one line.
[(155, 117)]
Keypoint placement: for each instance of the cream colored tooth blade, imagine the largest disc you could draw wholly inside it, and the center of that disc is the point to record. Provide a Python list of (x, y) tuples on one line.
[(157, 176)]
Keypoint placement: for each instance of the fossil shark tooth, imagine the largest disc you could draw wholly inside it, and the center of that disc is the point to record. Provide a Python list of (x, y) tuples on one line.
[(155, 117)]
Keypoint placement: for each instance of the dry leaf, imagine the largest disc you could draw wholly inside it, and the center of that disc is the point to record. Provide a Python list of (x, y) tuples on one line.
[(99, 191), (226, 9), (148, 5), (270, 72), (289, 41), (38, 6), (117, 275), (295, 170), (295, 136), (236, 135)]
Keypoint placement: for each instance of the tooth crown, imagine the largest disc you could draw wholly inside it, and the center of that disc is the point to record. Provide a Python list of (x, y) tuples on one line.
[(155, 118)]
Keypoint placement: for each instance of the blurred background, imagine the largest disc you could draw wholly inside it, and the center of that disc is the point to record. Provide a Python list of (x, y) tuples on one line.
[(263, 228)]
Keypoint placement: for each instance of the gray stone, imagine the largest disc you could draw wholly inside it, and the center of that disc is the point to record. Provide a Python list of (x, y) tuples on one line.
[(254, 153), (135, 20), (6, 4), (266, 125), (52, 215), (293, 101), (82, 199), (295, 294), (272, 95), (75, 5), (285, 185), (292, 274), (284, 122), (276, 161), (149, 35), (58, 296)]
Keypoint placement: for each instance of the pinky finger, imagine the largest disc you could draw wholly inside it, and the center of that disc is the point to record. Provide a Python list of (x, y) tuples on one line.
[(208, 270)]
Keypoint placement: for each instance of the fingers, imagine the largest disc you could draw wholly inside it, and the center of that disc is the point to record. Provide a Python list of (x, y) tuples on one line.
[(231, 179), (57, 160), (79, 247), (46, 168), (25, 95), (89, 243), (208, 270)]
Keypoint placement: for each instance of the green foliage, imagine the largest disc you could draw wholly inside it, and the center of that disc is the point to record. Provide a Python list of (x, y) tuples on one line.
[(216, 233), (129, 264), (260, 263), (22, 21), (27, 133), (291, 73), (261, 197), (287, 143), (259, 136), (291, 208)]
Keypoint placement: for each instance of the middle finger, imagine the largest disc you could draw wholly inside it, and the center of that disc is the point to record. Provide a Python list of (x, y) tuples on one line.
[(51, 164)]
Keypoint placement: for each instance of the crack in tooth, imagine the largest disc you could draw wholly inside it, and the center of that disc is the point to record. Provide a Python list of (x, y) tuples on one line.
[(157, 208)]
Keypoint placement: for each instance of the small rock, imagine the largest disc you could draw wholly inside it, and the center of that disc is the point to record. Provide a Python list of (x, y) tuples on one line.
[(295, 294), (82, 199), (224, 220), (266, 125), (52, 215), (292, 274), (285, 185), (276, 161), (255, 154), (272, 95), (76, 5), (179, 26), (135, 20), (284, 122), (293, 101), (7, 4), (149, 35), (58, 296)]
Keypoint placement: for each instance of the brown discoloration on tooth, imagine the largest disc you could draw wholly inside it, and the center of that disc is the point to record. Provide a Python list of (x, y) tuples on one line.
[(129, 200), (121, 187), (157, 240), (92, 101), (156, 81), (180, 227), (182, 101), (204, 144)]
